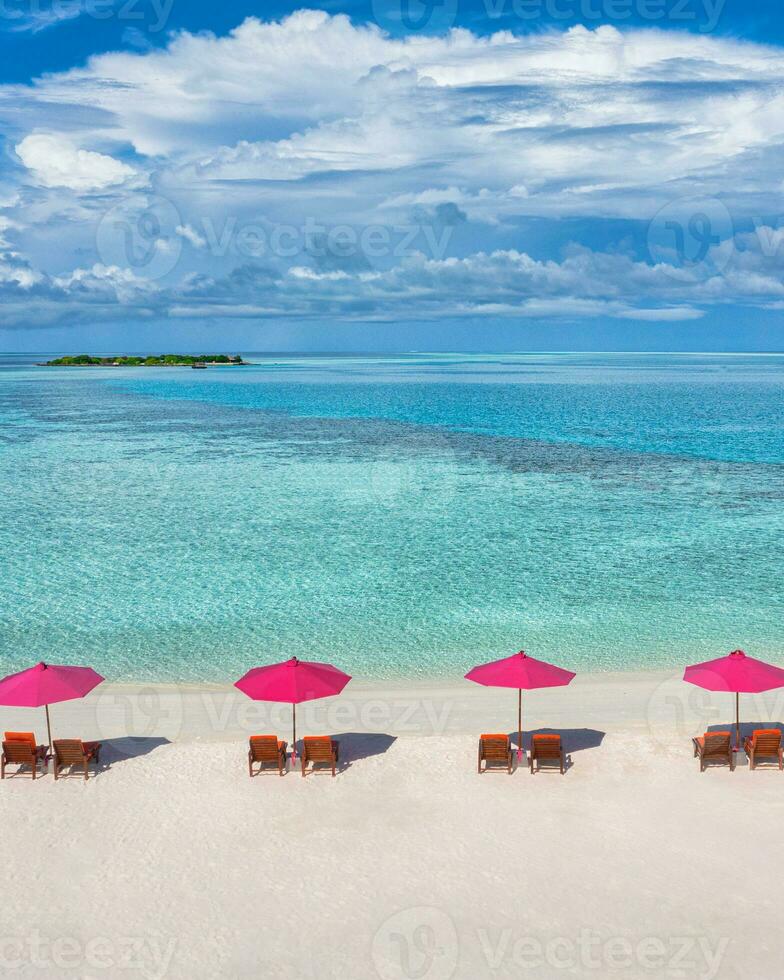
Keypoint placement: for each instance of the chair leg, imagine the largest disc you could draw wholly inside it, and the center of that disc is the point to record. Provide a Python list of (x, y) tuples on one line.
[(2, 767)]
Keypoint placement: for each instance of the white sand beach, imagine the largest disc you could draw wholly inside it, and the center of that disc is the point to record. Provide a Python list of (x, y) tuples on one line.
[(173, 863)]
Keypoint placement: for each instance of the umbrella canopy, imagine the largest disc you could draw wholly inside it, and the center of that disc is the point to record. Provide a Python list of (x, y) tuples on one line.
[(520, 671), (523, 672), (737, 674), (47, 684), (293, 682)]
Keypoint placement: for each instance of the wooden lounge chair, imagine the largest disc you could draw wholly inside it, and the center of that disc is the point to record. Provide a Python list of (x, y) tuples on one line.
[(266, 750), (765, 743), (29, 739), (714, 747), (495, 751), (22, 751), (69, 752), (319, 748), (548, 748)]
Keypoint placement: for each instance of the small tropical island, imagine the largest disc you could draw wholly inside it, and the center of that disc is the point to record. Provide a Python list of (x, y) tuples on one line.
[(149, 360)]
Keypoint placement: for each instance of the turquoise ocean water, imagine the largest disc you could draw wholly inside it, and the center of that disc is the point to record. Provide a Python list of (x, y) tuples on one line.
[(407, 515)]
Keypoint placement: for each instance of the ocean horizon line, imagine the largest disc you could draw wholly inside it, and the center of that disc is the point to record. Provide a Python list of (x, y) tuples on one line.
[(402, 353)]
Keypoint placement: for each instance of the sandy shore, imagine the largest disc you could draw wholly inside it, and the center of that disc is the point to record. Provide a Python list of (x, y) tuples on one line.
[(173, 863)]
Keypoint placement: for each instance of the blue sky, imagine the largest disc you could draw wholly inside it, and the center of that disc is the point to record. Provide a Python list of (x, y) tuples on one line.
[(399, 174)]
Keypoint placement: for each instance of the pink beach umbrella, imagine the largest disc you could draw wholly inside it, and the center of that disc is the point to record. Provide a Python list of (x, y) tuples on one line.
[(293, 682), (523, 672), (47, 684), (737, 674)]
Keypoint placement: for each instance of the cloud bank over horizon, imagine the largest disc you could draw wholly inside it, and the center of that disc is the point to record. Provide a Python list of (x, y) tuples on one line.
[(316, 168)]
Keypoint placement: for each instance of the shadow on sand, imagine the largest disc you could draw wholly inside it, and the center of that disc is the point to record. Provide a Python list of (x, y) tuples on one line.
[(113, 750), (128, 747), (572, 739), (747, 728), (354, 746)]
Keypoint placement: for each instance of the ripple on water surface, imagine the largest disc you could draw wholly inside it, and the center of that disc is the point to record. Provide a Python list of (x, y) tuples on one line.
[(166, 528)]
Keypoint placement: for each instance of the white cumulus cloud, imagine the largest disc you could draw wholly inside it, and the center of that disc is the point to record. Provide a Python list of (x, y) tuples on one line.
[(56, 162), (553, 167)]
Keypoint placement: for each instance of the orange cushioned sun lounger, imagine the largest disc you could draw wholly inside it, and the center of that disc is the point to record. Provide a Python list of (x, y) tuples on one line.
[(496, 753), (765, 743), (714, 747), (266, 750), (319, 748), (28, 737), (22, 752), (70, 752), (548, 748)]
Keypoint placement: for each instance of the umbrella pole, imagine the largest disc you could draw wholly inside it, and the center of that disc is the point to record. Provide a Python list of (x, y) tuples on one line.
[(519, 723), (294, 735), (48, 726), (737, 722)]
